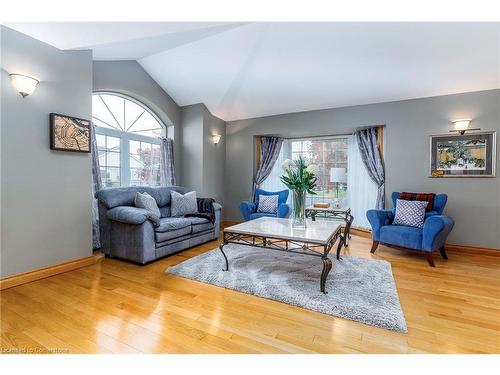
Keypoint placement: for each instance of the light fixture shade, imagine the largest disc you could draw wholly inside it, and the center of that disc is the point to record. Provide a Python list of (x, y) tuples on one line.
[(338, 175), (461, 124), (216, 138), (24, 83)]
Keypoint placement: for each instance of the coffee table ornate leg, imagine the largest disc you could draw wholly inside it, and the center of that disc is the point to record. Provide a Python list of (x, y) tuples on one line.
[(327, 266), (225, 257), (342, 240)]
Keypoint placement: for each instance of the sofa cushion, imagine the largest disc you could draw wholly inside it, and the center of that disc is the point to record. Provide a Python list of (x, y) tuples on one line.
[(200, 224), (146, 201), (401, 235), (172, 234), (173, 223), (164, 211), (181, 205), (124, 196)]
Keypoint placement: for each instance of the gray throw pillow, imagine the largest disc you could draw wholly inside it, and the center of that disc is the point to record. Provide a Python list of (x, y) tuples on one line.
[(410, 213), (268, 204), (147, 202), (181, 205)]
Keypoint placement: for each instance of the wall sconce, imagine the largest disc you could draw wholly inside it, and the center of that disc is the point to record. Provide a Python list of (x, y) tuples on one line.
[(462, 125), (216, 138), (24, 83)]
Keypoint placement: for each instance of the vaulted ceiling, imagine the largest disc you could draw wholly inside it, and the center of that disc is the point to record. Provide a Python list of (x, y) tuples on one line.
[(245, 70)]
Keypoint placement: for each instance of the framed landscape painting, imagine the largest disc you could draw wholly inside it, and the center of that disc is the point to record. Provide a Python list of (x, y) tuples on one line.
[(69, 133), (467, 155)]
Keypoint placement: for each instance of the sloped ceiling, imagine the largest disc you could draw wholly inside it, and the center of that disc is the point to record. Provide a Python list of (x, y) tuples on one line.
[(245, 70)]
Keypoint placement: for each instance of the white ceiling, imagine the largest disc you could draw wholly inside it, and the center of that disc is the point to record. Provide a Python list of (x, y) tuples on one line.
[(245, 70)]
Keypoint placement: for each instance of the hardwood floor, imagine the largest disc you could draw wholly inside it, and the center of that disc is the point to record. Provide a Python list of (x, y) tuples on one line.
[(118, 307)]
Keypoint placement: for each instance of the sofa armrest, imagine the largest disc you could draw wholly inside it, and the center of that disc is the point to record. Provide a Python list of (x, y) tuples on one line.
[(377, 219), (132, 215), (217, 206), (247, 208), (283, 210), (435, 231)]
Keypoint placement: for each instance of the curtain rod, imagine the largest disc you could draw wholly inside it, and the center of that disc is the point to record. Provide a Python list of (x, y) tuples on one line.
[(321, 136)]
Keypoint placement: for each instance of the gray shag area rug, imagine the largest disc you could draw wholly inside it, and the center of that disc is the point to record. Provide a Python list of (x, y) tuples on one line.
[(358, 289)]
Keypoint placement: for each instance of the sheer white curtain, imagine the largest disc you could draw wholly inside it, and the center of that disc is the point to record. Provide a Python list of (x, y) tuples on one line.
[(362, 191), (273, 182)]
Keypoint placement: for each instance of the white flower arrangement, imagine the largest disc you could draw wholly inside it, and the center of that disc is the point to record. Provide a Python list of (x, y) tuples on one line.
[(313, 169)]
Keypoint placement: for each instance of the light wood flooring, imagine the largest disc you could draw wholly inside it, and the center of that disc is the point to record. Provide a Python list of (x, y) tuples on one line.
[(118, 307)]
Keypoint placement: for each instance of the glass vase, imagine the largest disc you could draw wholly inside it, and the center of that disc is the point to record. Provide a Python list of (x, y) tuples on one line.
[(299, 208)]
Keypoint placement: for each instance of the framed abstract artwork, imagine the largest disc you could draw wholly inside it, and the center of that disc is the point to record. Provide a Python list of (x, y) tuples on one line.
[(463, 155), (69, 133)]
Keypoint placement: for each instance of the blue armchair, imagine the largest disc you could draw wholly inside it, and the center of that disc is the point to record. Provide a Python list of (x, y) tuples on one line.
[(427, 239), (249, 209)]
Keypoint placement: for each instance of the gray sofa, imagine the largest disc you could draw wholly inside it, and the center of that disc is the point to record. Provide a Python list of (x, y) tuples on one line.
[(128, 232)]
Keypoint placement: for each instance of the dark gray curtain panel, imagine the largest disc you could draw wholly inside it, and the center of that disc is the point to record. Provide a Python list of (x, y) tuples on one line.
[(96, 185), (368, 147), (269, 152), (167, 171)]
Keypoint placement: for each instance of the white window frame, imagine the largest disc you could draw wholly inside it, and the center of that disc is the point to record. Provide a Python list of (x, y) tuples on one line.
[(288, 154), (126, 137)]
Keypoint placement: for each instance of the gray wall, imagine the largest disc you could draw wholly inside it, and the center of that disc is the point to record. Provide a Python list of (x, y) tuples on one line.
[(203, 163), (45, 195), (192, 147), (473, 202), (214, 157), (129, 78)]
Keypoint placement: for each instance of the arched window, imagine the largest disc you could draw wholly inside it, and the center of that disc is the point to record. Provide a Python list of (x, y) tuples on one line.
[(128, 141)]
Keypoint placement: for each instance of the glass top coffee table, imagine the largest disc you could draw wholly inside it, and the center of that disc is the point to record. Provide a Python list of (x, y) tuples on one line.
[(317, 239)]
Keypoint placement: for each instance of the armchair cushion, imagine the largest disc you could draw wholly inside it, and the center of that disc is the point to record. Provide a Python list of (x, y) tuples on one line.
[(132, 215), (411, 213), (423, 197), (439, 202), (401, 235), (268, 204)]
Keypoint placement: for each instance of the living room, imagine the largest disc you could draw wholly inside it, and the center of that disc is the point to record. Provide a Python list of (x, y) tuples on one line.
[(250, 186)]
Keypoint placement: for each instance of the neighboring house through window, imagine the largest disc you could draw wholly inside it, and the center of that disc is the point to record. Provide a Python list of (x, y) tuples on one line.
[(128, 141)]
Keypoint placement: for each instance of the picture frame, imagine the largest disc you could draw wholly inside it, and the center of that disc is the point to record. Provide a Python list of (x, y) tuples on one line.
[(463, 155), (68, 133)]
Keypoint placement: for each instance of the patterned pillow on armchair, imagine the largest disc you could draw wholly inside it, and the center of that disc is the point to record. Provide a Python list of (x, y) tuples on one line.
[(268, 204), (410, 213)]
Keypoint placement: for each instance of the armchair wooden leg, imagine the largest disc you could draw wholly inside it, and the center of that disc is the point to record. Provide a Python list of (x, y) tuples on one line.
[(443, 252), (429, 259), (374, 246)]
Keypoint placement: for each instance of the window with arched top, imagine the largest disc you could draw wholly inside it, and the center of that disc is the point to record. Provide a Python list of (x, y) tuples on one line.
[(127, 134)]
